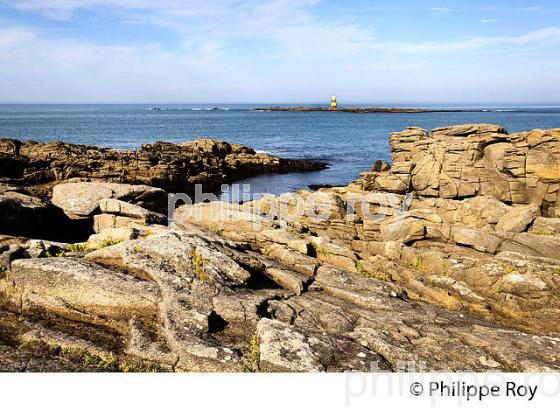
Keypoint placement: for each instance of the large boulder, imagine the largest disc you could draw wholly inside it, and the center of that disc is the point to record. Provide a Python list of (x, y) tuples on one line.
[(81, 199), (21, 214), (518, 219)]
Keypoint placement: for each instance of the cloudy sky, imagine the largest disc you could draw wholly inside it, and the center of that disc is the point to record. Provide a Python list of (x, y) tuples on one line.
[(385, 51)]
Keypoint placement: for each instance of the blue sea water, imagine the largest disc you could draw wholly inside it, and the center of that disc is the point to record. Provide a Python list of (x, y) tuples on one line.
[(348, 142)]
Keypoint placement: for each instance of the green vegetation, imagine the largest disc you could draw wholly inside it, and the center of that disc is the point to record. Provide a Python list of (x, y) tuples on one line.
[(444, 269), (60, 254), (112, 364), (507, 268), (253, 355), (108, 242), (371, 275), (3, 272), (418, 263), (78, 247), (317, 249), (294, 232), (547, 233), (361, 268), (87, 358), (198, 264)]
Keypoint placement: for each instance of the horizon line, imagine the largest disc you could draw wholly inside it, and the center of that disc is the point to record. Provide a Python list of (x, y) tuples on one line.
[(319, 103)]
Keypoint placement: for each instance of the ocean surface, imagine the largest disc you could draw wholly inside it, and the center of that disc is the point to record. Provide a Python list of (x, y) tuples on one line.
[(348, 142)]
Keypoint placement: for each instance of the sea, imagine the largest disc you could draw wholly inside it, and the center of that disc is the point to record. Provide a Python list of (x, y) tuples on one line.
[(349, 143)]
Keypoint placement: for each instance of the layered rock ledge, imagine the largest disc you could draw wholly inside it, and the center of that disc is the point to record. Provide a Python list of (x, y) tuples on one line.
[(402, 270), (173, 167)]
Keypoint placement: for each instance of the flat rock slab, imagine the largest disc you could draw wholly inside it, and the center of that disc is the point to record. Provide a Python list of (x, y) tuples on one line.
[(80, 288)]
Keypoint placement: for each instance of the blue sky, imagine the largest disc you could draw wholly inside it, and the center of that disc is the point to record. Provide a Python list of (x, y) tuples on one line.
[(279, 51)]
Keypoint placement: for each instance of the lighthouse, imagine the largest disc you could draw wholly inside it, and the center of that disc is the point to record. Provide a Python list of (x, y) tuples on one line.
[(333, 102)]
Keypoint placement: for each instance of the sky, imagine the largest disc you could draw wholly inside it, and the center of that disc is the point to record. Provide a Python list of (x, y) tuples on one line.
[(279, 51)]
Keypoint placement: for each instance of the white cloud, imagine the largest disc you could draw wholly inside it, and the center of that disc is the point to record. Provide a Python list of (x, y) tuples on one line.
[(487, 21), (160, 9), (442, 9), (549, 35), (14, 37), (323, 42), (35, 67)]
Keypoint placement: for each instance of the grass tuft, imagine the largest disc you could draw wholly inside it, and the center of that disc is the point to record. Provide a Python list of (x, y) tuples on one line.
[(253, 355), (371, 275), (112, 364), (546, 233), (507, 268), (78, 247), (444, 268), (198, 264), (418, 263)]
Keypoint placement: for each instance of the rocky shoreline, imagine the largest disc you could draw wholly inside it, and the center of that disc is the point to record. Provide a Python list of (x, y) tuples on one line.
[(446, 259), (30, 170), (173, 167), (365, 110)]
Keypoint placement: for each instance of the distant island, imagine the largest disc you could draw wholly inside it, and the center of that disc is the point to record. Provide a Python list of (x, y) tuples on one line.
[(356, 110)]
